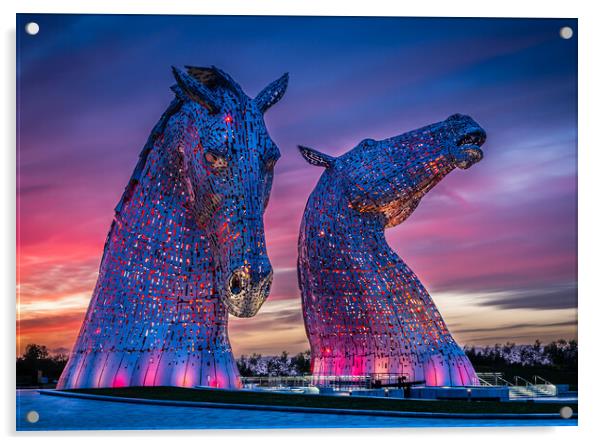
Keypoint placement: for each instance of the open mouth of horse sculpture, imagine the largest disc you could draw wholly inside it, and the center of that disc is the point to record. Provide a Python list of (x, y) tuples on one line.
[(468, 151)]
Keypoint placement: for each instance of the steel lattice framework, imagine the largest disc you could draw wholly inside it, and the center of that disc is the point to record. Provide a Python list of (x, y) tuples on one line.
[(365, 311), (186, 245)]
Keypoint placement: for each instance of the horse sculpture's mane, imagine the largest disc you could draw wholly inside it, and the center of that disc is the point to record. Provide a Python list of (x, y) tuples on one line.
[(207, 76)]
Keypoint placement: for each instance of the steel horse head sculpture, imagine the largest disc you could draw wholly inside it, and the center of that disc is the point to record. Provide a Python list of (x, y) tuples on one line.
[(186, 245), (365, 311)]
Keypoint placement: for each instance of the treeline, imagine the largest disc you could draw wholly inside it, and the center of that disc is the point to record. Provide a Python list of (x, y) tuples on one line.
[(256, 365), (38, 367), (555, 362)]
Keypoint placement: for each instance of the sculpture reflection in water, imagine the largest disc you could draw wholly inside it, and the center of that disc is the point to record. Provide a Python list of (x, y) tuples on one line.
[(186, 245), (365, 311)]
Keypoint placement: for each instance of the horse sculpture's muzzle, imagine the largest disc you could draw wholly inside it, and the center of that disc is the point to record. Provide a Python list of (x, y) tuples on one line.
[(245, 292), (468, 150)]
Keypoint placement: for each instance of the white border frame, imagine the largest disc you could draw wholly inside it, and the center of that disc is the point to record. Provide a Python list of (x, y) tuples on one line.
[(590, 221)]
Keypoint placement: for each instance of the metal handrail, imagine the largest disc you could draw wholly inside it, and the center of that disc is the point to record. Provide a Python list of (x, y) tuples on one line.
[(374, 380), (503, 381), (297, 380), (545, 382), (483, 382), (518, 378), (496, 376)]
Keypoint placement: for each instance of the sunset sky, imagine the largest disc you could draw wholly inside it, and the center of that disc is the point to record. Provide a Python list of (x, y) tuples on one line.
[(496, 245)]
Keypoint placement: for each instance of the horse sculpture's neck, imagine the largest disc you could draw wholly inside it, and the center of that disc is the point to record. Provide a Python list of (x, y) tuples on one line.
[(154, 318), (365, 311), (155, 207), (349, 237)]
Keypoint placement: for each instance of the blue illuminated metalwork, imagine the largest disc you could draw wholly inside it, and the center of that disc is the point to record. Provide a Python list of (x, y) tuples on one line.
[(186, 245), (365, 311)]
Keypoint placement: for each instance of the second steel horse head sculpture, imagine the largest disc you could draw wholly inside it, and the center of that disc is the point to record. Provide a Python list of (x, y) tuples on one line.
[(186, 245), (365, 311)]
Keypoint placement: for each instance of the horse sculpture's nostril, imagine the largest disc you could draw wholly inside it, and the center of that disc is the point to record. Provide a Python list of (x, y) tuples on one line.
[(242, 280), (235, 283)]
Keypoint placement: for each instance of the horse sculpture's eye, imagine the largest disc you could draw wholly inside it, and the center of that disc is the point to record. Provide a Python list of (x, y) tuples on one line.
[(215, 160)]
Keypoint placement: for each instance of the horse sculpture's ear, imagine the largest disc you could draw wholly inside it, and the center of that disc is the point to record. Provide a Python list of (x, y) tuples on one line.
[(272, 93), (195, 90), (314, 157)]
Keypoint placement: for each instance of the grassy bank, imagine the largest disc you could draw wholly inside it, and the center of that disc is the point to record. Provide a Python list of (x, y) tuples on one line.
[(335, 402)]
